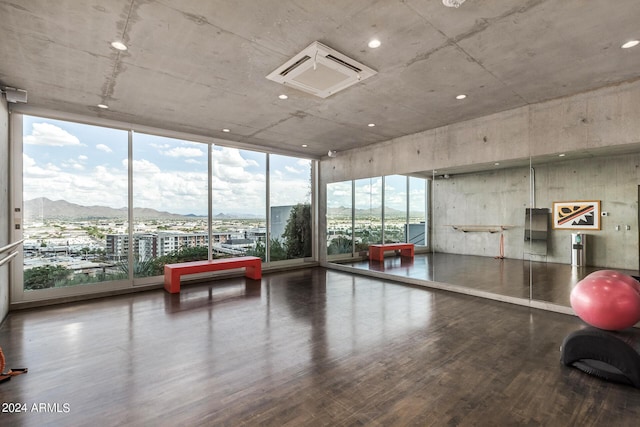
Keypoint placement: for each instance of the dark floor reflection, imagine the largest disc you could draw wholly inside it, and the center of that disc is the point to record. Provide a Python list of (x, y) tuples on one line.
[(507, 277)]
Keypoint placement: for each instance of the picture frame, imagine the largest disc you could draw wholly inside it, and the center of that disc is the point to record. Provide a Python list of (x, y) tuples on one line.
[(576, 215)]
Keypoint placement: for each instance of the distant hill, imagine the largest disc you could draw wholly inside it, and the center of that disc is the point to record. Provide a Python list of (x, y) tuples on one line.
[(376, 211), (43, 208)]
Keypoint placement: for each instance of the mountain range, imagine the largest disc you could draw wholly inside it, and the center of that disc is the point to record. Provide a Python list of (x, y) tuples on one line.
[(42, 208), (45, 209)]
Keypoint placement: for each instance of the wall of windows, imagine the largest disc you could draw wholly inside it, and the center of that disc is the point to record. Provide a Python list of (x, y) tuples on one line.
[(109, 207), (372, 210)]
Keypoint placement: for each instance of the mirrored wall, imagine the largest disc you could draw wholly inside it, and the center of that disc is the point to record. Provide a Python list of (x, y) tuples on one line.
[(528, 230), (387, 209)]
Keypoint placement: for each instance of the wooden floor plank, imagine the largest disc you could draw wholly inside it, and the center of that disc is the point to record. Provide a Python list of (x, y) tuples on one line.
[(309, 347)]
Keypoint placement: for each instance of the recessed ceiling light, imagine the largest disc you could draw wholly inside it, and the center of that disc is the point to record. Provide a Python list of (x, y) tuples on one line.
[(119, 45), (497, 163), (561, 155), (225, 130), (304, 145), (461, 96), (103, 106), (374, 43), (630, 43), (283, 96), (371, 125)]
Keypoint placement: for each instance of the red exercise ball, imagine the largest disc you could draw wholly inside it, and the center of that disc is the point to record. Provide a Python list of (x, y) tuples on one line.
[(607, 300), (616, 274)]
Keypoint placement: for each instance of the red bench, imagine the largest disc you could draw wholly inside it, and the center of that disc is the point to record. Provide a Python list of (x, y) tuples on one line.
[(376, 252), (172, 272)]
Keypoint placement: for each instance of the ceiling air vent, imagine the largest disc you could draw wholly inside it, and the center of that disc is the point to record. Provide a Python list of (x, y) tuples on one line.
[(321, 71)]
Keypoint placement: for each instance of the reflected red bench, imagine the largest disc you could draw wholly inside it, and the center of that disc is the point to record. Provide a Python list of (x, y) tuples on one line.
[(376, 252), (172, 272)]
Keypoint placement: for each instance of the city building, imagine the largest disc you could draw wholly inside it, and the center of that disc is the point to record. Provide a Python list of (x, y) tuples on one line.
[(478, 112)]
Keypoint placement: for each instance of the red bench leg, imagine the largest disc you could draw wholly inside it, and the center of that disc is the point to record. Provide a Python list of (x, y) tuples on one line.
[(408, 252), (171, 281), (254, 271)]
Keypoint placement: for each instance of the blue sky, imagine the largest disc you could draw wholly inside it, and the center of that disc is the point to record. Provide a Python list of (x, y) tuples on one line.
[(88, 165)]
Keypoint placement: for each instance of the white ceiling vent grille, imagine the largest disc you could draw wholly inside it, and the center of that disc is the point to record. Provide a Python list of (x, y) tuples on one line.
[(321, 71)]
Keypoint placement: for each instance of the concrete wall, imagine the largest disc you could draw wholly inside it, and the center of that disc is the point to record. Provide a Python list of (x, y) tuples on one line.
[(600, 119), (501, 197), (614, 181), (495, 198), (593, 126), (4, 202)]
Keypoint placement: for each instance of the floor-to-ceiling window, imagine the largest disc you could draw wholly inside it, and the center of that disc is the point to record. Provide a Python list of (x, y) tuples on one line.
[(110, 207), (170, 204), (290, 232), (74, 191), (238, 182)]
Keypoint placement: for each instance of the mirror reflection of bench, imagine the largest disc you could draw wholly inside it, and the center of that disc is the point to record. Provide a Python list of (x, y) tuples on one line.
[(172, 272), (376, 252), (206, 294)]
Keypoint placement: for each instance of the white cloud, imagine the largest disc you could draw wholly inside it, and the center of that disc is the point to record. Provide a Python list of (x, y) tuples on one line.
[(184, 152), (229, 166), (159, 146), (239, 183), (143, 167), (101, 186), (83, 157), (50, 135), (232, 157), (291, 169), (105, 148)]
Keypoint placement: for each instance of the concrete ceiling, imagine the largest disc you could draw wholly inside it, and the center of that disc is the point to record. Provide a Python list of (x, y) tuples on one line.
[(199, 66)]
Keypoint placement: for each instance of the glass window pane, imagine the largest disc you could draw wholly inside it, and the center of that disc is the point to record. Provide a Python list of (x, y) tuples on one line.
[(417, 211), (239, 202), (75, 193), (395, 208), (339, 218), (170, 204), (368, 212), (290, 204)]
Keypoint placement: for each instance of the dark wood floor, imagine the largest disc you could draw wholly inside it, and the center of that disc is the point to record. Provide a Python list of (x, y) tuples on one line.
[(302, 348), (550, 282)]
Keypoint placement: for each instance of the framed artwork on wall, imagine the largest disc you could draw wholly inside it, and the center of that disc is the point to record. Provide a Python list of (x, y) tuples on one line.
[(577, 215)]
